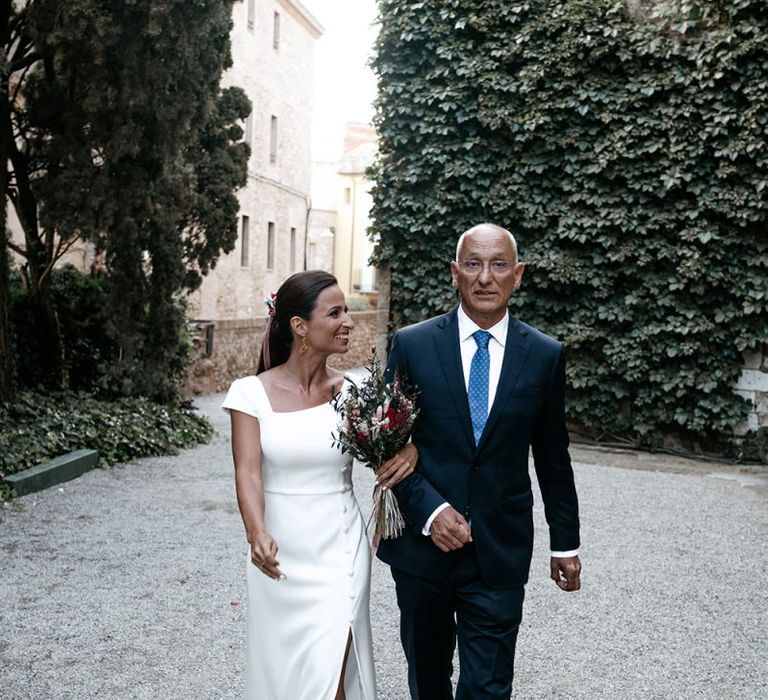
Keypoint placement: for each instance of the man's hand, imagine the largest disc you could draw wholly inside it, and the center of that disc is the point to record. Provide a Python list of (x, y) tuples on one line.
[(396, 469), (566, 572), (450, 530)]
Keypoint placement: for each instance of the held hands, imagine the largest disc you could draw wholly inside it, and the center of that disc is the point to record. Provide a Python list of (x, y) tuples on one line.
[(566, 572), (450, 530), (263, 553), (396, 469)]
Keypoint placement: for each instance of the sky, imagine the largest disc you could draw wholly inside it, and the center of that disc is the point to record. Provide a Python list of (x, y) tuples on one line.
[(344, 86)]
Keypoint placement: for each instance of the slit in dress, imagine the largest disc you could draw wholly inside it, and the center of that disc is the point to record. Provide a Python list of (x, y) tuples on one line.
[(352, 682)]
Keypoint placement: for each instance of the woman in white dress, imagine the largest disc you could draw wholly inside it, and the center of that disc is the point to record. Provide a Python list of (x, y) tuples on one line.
[(309, 633)]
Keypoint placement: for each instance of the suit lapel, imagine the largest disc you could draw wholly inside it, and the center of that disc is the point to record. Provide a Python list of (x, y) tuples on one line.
[(447, 346), (515, 353)]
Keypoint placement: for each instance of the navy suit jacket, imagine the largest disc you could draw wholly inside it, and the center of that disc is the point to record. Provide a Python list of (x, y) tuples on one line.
[(488, 483)]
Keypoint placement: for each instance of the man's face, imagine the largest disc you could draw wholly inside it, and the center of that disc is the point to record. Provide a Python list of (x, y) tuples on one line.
[(486, 275)]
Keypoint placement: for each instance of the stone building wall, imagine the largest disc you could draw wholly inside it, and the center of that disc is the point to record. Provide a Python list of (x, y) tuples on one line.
[(753, 386), (234, 347), (322, 231), (279, 82)]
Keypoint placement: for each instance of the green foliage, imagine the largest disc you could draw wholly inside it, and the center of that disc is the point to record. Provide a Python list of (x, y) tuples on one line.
[(629, 156), (37, 427), (79, 302), (754, 446), (125, 138), (221, 165)]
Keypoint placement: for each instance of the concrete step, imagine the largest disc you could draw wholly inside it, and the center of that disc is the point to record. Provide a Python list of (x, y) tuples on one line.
[(56, 471)]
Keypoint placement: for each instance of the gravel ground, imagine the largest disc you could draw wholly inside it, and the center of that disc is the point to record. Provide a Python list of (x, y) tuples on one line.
[(129, 583)]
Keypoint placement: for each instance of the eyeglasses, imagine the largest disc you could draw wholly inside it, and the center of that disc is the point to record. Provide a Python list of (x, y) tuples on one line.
[(475, 267)]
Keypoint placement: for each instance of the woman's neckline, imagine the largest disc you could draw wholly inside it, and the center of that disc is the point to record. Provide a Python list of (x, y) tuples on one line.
[(298, 410)]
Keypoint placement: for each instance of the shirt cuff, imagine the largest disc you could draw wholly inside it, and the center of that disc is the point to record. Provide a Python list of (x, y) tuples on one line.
[(569, 553), (430, 519)]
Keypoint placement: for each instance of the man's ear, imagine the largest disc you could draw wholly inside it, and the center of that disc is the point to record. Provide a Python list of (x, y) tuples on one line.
[(519, 270), (454, 275)]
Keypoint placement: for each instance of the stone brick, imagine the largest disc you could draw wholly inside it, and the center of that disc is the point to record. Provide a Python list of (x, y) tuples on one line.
[(761, 402), (753, 360), (752, 380)]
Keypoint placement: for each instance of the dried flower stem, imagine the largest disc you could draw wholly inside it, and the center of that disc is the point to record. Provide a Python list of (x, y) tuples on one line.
[(388, 521)]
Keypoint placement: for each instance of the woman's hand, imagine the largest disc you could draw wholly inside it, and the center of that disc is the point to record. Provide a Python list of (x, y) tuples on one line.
[(396, 469), (264, 553)]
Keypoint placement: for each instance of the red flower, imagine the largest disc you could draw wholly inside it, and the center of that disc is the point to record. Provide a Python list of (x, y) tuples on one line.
[(397, 418)]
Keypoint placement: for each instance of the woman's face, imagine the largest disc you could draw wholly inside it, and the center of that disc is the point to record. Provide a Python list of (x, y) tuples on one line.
[(329, 326)]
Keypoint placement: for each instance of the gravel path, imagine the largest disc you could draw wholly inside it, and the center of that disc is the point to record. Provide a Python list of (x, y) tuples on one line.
[(129, 583)]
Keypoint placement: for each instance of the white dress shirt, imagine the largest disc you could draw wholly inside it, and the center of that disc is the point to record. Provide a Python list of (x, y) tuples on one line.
[(468, 346)]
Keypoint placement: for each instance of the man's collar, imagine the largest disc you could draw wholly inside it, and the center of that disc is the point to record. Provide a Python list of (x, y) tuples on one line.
[(467, 327)]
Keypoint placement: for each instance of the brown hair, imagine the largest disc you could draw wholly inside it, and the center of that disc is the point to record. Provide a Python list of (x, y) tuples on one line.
[(297, 296)]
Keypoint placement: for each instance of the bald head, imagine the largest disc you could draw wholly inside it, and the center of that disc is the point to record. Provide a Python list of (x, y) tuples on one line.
[(486, 272), (483, 230)]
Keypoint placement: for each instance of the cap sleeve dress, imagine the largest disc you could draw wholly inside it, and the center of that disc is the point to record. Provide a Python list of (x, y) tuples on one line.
[(298, 628)]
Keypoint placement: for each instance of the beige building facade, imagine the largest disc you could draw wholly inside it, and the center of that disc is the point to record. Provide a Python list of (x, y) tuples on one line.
[(341, 206), (353, 248), (340, 216), (272, 49), (322, 218)]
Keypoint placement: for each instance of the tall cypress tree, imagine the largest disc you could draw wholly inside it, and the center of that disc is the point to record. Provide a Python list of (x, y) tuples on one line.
[(116, 128)]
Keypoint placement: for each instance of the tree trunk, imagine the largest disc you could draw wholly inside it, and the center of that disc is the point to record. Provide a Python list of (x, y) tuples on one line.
[(6, 351), (6, 354), (37, 270)]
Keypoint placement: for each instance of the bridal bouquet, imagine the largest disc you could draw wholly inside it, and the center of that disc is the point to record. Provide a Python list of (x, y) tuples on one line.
[(376, 421)]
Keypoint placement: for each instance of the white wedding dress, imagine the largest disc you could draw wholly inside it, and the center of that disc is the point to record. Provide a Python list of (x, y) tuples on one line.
[(298, 628)]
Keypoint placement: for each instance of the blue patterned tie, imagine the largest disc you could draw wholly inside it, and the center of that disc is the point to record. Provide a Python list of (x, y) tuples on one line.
[(477, 392)]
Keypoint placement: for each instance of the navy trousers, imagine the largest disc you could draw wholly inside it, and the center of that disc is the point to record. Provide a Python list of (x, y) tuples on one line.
[(433, 614)]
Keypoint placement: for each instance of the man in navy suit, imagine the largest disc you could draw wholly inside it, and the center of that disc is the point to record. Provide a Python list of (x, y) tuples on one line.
[(491, 387)]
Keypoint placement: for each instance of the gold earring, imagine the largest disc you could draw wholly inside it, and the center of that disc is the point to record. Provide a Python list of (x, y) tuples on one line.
[(303, 346)]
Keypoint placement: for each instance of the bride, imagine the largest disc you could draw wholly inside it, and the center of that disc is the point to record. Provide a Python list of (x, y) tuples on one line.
[(309, 633)]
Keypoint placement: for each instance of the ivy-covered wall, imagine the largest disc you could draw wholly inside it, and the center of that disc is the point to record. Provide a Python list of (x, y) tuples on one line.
[(627, 152)]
